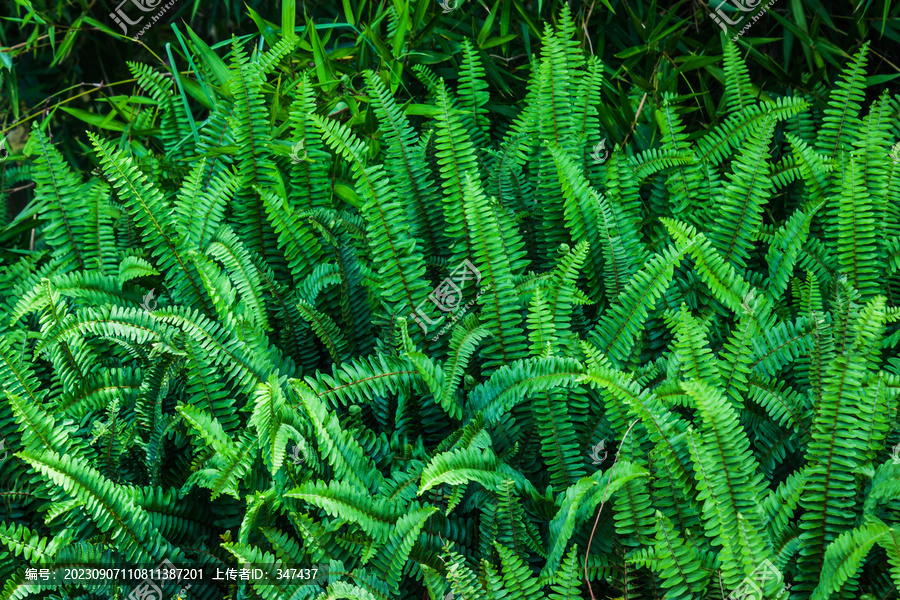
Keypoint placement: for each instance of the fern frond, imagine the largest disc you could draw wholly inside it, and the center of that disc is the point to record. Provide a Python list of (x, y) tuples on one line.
[(617, 330), (843, 558), (739, 215), (107, 505), (841, 121), (256, 165), (151, 212), (473, 95), (401, 265)]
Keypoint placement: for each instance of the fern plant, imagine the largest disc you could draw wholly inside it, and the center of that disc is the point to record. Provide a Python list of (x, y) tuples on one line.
[(399, 357)]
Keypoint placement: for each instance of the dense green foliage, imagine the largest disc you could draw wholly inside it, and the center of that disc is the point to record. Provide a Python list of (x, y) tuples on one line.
[(223, 361)]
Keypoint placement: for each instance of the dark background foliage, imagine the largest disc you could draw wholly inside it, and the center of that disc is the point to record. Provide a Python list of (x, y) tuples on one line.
[(70, 54)]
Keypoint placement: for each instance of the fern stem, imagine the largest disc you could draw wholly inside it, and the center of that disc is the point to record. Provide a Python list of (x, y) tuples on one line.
[(587, 552)]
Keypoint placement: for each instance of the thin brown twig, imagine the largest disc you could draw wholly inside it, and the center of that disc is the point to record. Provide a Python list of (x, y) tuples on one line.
[(636, 116), (36, 113), (584, 25), (16, 189), (503, 58), (46, 36), (602, 502), (25, 43), (97, 86), (884, 58)]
